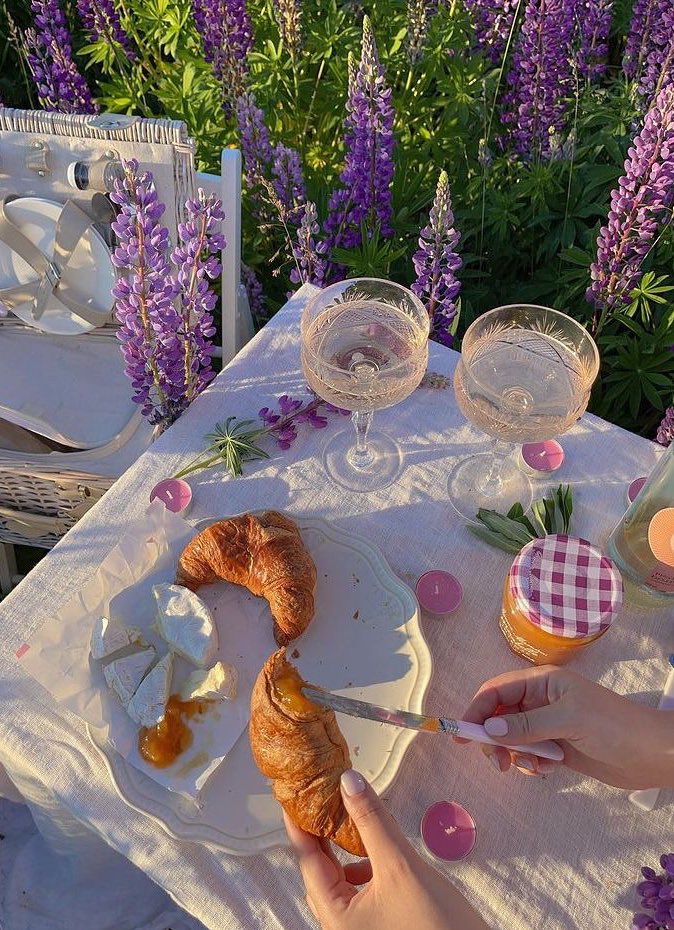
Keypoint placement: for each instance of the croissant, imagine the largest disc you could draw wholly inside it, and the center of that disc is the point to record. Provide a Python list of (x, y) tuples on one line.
[(263, 553), (300, 747)]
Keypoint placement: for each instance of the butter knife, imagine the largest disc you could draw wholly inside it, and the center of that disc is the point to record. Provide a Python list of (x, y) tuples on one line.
[(546, 749)]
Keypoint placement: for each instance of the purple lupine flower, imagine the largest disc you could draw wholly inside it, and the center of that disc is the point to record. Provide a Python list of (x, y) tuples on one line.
[(166, 344), (256, 298), (436, 263), (657, 892), (60, 86), (288, 14), (265, 164), (644, 14), (541, 80), (101, 20), (640, 204), (310, 264), (419, 16), (227, 37), (256, 149), (197, 261), (665, 433), (658, 65), (593, 22), (493, 22), (288, 181), (282, 423), (145, 299), (364, 193)]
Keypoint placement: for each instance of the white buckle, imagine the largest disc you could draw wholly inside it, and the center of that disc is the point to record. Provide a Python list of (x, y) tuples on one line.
[(53, 274)]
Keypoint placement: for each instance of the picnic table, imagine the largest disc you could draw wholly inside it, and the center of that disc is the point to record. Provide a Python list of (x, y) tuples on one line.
[(559, 852)]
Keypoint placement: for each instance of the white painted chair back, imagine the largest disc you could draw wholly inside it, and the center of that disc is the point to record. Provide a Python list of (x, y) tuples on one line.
[(43, 494)]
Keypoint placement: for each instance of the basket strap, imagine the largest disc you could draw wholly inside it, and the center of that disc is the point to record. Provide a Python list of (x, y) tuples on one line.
[(71, 226)]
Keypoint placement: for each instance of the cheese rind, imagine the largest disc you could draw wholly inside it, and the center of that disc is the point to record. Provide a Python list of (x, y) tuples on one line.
[(148, 705), (125, 675), (186, 624), (107, 638), (218, 683)]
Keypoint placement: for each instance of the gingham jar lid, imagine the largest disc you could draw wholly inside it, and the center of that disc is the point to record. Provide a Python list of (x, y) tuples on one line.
[(566, 586)]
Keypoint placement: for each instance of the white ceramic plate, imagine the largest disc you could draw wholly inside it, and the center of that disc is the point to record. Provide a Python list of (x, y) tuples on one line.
[(90, 272), (365, 642)]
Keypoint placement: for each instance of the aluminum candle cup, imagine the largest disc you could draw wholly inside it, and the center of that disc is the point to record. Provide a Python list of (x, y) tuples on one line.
[(175, 494), (448, 831), (634, 488), (541, 458), (439, 593)]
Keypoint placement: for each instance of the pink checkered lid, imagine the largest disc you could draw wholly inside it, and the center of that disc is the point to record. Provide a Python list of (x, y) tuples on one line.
[(566, 586)]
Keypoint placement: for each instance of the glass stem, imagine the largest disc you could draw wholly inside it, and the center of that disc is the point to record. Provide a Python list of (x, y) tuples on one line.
[(360, 456), (491, 485)]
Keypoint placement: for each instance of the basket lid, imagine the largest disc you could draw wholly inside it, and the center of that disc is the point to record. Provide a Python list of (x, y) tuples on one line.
[(566, 586), (73, 391)]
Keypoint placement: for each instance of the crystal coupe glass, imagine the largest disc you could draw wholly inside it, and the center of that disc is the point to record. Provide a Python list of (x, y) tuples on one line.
[(364, 347), (524, 375)]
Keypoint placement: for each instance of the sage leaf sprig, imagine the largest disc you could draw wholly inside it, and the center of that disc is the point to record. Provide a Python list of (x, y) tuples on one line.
[(512, 531)]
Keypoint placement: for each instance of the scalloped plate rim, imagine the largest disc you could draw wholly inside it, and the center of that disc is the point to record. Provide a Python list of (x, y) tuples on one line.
[(178, 828)]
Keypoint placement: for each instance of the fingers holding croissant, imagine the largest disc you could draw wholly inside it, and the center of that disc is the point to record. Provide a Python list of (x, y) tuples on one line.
[(299, 746)]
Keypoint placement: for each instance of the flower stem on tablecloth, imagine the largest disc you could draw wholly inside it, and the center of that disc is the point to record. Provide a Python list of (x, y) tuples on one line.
[(236, 441)]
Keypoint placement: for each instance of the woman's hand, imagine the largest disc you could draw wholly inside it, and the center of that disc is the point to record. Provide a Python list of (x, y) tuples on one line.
[(401, 890), (604, 735)]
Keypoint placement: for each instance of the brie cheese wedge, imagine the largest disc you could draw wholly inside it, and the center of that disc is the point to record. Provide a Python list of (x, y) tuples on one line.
[(106, 638), (218, 683), (148, 705), (125, 674), (186, 624)]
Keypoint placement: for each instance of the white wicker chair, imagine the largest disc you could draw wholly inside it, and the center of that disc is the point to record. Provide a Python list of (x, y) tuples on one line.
[(43, 494)]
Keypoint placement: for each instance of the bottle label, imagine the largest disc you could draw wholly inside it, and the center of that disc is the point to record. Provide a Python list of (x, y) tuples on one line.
[(661, 577)]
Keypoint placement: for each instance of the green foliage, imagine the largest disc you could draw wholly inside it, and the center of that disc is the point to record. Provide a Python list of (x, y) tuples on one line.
[(528, 230), (551, 514)]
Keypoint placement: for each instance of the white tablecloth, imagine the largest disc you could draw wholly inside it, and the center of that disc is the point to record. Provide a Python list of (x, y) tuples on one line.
[(556, 853)]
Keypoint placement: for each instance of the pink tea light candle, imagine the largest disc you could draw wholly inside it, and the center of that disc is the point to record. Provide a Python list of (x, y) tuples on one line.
[(448, 831), (634, 489), (542, 457), (175, 493), (439, 593)]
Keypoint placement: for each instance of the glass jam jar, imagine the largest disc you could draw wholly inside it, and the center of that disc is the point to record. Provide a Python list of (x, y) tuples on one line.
[(560, 595)]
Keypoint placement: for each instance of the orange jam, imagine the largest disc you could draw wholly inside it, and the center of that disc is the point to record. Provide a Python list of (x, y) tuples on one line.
[(531, 642), (287, 689), (560, 595), (162, 744)]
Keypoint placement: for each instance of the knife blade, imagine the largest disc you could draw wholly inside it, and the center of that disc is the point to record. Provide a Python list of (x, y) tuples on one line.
[(546, 749)]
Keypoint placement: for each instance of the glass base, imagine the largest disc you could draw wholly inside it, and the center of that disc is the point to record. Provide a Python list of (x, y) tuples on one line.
[(469, 489), (383, 468)]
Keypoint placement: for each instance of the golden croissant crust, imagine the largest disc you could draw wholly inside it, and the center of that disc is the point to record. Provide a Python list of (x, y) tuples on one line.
[(263, 553), (299, 746)]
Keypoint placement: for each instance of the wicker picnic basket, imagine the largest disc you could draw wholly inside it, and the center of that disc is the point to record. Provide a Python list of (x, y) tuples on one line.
[(46, 486)]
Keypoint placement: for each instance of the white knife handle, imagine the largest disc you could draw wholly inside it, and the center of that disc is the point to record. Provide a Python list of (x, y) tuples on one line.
[(647, 799), (546, 749)]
